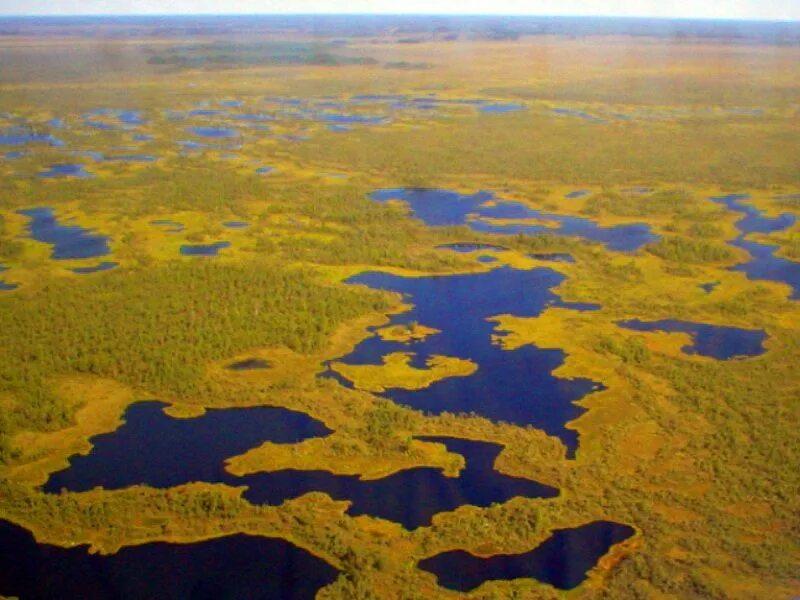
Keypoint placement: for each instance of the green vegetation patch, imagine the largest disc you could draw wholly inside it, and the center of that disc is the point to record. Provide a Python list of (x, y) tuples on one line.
[(158, 328)]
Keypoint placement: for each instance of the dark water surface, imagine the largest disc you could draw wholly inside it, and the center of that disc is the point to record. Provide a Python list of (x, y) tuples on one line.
[(444, 207), (68, 241), (763, 264), (236, 567), (161, 451), (513, 386), (204, 249), (103, 266), (715, 341), (563, 560)]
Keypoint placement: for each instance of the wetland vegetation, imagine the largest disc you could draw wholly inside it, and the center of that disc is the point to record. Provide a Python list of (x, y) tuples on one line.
[(517, 331)]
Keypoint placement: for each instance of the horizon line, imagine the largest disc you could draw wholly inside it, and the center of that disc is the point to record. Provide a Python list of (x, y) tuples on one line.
[(387, 14)]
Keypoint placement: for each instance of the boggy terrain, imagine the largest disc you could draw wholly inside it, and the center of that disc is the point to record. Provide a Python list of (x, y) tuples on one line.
[(522, 306)]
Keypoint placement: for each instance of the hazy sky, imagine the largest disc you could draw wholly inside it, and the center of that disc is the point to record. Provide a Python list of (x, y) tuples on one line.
[(726, 9)]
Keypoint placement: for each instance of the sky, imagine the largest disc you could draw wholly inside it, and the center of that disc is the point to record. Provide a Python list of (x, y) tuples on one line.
[(782, 10)]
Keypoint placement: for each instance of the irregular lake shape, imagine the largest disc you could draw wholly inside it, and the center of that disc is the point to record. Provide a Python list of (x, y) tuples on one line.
[(16, 138), (68, 241), (715, 341), (709, 287), (514, 386), (103, 266), (411, 497), (502, 108), (443, 207), (214, 132), (64, 170), (764, 264), (161, 451), (235, 224), (487, 259), (249, 364), (553, 256), (563, 560), (466, 247), (203, 249), (235, 567)]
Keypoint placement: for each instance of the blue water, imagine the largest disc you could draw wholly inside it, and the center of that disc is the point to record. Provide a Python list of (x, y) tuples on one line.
[(231, 103), (103, 266), (411, 497), (512, 386), (161, 451), (213, 132), (466, 247), (443, 207), (235, 567), (235, 224), (339, 128), (344, 119), (577, 194), (763, 265), (65, 170), (709, 287), (142, 137), (563, 560), (14, 138), (155, 449), (68, 241), (553, 256), (715, 341), (578, 113), (502, 108), (264, 170), (203, 249), (487, 259), (14, 155)]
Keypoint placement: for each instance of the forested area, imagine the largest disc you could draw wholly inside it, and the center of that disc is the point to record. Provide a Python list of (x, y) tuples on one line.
[(157, 328)]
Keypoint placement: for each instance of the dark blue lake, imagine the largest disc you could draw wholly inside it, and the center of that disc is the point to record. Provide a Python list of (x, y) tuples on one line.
[(214, 132), (512, 386), (466, 247), (502, 108), (563, 560), (64, 170), (68, 241), (203, 249), (552, 256), (444, 207), (236, 567), (20, 138), (161, 451), (714, 341), (103, 266), (155, 449), (763, 264), (235, 224)]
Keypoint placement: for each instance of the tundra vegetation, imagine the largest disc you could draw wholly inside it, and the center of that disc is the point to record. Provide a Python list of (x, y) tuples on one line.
[(700, 456)]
